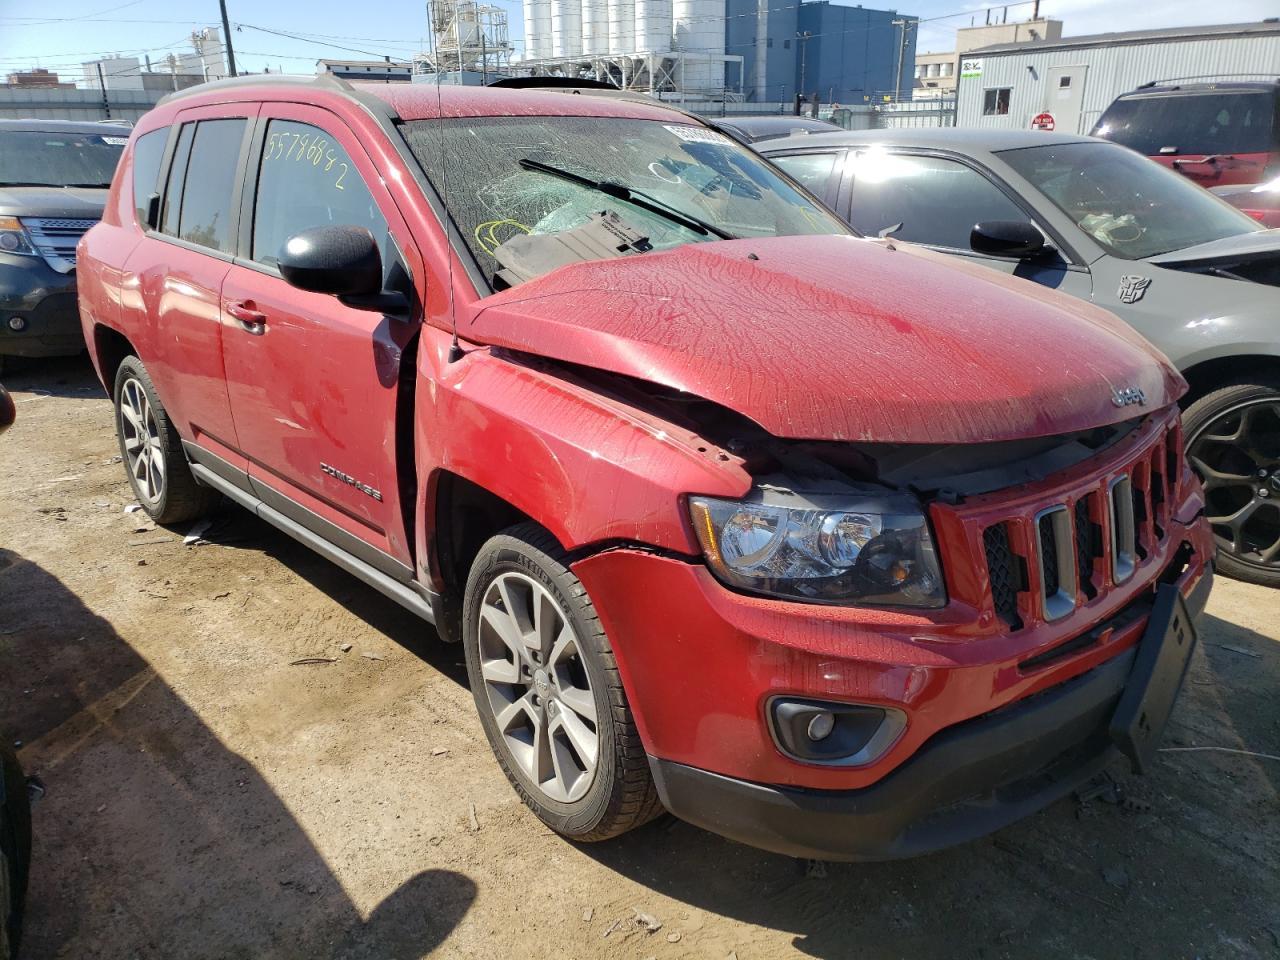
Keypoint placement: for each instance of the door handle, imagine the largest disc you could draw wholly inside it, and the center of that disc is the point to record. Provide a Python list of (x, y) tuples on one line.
[(251, 318)]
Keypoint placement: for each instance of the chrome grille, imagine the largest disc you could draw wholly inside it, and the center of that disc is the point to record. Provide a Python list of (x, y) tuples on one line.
[(1098, 534), (55, 239), (1056, 552)]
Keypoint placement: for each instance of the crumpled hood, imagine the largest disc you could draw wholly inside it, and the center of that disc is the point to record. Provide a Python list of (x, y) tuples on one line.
[(1258, 243), (73, 203), (838, 338)]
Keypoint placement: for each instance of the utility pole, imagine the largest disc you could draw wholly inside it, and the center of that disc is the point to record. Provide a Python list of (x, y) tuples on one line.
[(226, 38), (102, 85), (804, 47), (902, 49)]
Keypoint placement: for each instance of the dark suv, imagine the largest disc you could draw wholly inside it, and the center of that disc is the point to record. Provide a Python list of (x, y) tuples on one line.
[(1217, 134), (53, 182)]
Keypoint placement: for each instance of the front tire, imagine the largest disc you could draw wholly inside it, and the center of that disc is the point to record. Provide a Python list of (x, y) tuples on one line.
[(547, 688), (151, 449), (1233, 443)]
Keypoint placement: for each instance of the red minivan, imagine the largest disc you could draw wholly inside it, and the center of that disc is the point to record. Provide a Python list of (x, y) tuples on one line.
[(831, 545)]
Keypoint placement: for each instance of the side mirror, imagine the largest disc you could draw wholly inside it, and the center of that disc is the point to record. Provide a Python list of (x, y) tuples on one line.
[(342, 261), (1007, 238)]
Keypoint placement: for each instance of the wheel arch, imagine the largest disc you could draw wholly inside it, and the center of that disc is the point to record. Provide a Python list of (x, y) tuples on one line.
[(462, 515), (109, 349), (1207, 375)]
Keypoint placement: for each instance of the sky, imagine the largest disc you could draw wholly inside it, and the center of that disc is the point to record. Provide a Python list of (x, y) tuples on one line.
[(293, 34)]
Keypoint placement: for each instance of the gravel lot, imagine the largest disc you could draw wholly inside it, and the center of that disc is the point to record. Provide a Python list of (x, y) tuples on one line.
[(208, 796)]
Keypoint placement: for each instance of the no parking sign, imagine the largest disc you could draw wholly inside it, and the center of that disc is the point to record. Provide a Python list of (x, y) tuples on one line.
[(1043, 121)]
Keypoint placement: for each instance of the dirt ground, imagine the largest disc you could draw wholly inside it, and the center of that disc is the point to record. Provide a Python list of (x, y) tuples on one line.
[(208, 797)]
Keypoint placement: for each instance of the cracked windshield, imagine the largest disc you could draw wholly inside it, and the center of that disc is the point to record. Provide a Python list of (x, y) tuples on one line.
[(530, 194)]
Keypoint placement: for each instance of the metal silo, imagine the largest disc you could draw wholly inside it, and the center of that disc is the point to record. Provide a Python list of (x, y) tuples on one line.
[(699, 29), (595, 27), (622, 25), (566, 28), (537, 29), (653, 25)]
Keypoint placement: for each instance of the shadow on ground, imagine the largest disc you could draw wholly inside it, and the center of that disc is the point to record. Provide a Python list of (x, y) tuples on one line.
[(1133, 864), (53, 376), (82, 699)]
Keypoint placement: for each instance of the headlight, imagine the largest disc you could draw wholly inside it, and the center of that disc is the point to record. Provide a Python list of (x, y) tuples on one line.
[(13, 238), (868, 547)]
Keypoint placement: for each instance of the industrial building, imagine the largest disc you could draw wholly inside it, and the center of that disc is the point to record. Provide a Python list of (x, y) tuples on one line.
[(936, 73), (1073, 79), (764, 51), (384, 71), (840, 53)]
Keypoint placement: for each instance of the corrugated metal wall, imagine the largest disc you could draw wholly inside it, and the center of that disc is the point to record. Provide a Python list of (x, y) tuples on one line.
[(16, 104), (1112, 70)]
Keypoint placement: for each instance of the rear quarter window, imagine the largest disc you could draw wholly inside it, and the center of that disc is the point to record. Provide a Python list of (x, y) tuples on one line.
[(148, 152)]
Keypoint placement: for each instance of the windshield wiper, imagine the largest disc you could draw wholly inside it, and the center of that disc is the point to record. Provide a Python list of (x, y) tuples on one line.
[(635, 197)]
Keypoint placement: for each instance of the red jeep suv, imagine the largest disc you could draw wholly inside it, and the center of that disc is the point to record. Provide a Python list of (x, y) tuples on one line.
[(832, 546)]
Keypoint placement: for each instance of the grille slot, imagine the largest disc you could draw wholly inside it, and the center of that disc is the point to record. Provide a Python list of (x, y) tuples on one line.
[(1088, 544), (1057, 558), (1124, 559), (1048, 555), (1008, 574)]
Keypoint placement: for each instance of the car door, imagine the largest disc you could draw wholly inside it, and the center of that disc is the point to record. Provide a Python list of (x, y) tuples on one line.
[(315, 385), (937, 200), (818, 171), (172, 280)]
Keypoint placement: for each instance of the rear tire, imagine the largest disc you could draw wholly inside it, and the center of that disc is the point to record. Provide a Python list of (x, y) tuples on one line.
[(544, 678), (151, 449), (1233, 443)]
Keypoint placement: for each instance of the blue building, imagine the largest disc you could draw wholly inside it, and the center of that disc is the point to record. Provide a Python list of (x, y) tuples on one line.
[(851, 54)]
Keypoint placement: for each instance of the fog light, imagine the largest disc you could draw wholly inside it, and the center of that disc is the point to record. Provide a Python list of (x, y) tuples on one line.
[(821, 725), (17, 324), (829, 732)]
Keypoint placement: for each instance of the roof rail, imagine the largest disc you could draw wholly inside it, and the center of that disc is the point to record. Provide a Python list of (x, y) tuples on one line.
[(560, 83), (1210, 77), (250, 79)]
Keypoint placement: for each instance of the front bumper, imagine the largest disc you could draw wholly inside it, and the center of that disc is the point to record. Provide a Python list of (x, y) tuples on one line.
[(46, 301), (967, 781), (701, 663)]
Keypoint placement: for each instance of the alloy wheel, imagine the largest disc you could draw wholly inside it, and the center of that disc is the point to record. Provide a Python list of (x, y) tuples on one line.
[(537, 686), (143, 447), (1237, 455)]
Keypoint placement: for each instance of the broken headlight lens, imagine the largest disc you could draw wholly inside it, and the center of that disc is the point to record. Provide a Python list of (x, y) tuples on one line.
[(838, 549)]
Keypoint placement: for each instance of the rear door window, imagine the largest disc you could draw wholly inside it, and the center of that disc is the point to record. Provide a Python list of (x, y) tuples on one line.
[(147, 154), (936, 200), (1193, 124), (815, 171), (306, 179), (211, 173)]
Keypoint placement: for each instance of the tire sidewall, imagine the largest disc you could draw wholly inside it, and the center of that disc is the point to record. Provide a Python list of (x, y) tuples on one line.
[(132, 369), (506, 554)]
